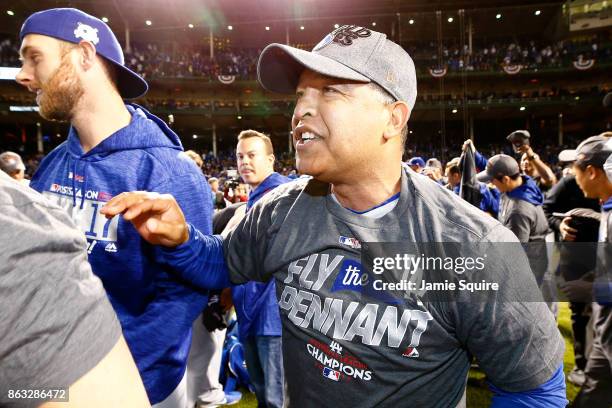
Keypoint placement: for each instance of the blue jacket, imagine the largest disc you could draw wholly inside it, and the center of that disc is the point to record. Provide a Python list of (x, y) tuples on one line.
[(528, 191), (489, 201), (155, 308), (255, 302)]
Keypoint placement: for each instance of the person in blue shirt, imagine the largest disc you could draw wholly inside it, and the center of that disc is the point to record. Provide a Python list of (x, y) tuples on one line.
[(259, 324), (77, 71)]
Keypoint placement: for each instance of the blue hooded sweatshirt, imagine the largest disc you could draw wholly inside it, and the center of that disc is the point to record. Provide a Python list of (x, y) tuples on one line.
[(489, 201), (528, 191), (255, 302), (156, 309)]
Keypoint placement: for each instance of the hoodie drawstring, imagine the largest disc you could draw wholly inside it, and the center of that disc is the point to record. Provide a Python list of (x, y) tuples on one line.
[(74, 167), (84, 189)]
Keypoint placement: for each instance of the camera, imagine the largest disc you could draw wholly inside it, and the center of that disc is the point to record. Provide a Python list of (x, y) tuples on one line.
[(233, 179), (518, 138)]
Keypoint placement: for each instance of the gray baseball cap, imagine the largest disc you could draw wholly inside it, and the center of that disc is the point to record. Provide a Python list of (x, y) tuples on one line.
[(608, 168), (350, 52), (498, 166), (594, 150)]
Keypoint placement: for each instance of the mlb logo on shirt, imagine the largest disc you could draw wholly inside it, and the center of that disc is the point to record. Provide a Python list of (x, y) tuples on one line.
[(350, 242), (331, 374)]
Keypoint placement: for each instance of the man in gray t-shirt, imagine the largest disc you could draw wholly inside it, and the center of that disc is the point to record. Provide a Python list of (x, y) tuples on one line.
[(345, 342), (58, 332)]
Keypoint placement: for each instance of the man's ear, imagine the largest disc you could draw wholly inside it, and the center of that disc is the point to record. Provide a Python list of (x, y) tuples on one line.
[(397, 120), (87, 54)]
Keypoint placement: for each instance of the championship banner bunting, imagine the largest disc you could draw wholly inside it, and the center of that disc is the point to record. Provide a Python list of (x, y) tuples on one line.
[(583, 65), (512, 69), (437, 72), (226, 79)]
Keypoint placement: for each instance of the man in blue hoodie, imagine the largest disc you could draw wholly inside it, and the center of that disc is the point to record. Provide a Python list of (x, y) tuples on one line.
[(259, 324), (520, 208), (75, 65)]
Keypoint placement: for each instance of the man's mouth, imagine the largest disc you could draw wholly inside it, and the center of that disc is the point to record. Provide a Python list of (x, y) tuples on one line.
[(306, 138)]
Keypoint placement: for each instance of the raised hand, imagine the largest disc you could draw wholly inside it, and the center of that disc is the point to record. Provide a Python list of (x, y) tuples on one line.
[(157, 217)]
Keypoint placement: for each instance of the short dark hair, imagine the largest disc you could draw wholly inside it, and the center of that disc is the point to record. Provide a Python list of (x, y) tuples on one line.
[(454, 169)]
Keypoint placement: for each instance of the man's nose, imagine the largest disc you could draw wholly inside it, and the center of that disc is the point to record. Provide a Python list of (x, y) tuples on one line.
[(305, 106), (23, 77)]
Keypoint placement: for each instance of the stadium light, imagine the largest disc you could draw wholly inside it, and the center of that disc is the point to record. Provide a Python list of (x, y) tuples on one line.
[(8, 73), (148, 22), (195, 136), (450, 19), (336, 25), (373, 23), (455, 110), (105, 19), (411, 21), (230, 27), (301, 27), (522, 108), (267, 28), (239, 117), (190, 25), (537, 12), (10, 12), (498, 16)]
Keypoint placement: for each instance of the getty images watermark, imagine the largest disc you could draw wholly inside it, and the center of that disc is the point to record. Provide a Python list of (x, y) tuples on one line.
[(412, 265), (468, 272)]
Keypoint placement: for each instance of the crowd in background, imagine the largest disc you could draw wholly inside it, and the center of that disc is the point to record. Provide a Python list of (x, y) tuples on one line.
[(186, 61)]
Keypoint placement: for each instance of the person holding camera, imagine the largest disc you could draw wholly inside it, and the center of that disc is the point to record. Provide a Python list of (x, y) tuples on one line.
[(531, 164)]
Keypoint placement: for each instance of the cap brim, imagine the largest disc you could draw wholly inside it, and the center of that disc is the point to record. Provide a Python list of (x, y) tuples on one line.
[(129, 84), (568, 155), (280, 66), (484, 177)]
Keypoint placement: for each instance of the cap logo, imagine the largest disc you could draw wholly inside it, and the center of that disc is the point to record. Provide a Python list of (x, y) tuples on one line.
[(87, 33), (347, 33)]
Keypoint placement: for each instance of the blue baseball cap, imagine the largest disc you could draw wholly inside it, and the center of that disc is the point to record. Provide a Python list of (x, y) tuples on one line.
[(416, 161), (72, 25)]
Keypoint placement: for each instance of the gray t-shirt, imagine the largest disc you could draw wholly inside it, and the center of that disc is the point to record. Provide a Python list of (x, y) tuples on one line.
[(527, 221), (56, 323), (342, 348)]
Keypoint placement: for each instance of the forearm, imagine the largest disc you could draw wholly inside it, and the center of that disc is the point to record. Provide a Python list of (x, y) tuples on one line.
[(545, 172), (199, 260)]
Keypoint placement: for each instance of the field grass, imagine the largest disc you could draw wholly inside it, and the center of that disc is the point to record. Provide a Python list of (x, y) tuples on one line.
[(478, 394)]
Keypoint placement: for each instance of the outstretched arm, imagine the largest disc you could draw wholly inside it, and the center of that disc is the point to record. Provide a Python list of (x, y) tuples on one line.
[(158, 218)]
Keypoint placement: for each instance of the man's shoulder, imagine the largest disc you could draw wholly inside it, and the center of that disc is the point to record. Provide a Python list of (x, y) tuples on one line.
[(460, 220), (15, 194), (284, 195), (19, 201), (288, 190)]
